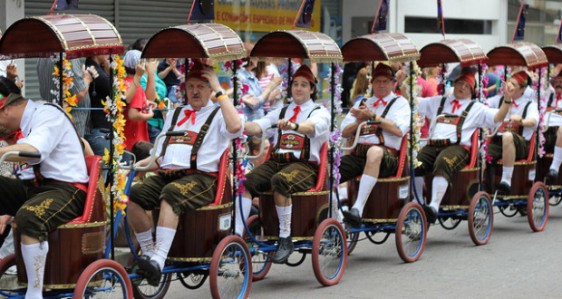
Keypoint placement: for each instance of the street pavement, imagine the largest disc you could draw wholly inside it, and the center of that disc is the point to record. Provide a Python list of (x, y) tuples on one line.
[(516, 263)]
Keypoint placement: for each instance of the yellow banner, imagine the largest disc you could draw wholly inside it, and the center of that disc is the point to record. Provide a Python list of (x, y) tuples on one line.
[(262, 15)]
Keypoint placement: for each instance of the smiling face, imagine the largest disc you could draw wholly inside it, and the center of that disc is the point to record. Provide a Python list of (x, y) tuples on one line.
[(301, 90), (462, 90), (382, 86), (198, 92), (519, 90)]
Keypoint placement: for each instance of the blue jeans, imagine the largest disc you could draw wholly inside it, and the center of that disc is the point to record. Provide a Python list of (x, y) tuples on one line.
[(98, 141)]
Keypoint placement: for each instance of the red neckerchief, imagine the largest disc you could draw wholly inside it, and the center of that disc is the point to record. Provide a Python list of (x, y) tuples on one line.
[(456, 105), (379, 101), (188, 114), (296, 111)]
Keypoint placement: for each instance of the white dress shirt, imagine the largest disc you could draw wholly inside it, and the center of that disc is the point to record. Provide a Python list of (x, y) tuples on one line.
[(532, 112), (217, 140), (319, 117), (53, 135), (399, 113)]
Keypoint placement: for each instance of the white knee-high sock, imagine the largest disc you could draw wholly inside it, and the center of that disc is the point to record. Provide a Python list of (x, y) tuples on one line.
[(557, 158), (419, 183), (284, 214), (507, 173), (34, 257), (164, 238), (438, 191), (146, 242), (246, 204), (366, 185)]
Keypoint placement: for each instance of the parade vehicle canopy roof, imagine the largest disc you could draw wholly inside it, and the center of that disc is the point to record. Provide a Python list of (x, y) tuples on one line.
[(76, 35), (520, 53), (463, 51), (316, 46), (2, 57), (553, 53), (211, 40), (392, 47)]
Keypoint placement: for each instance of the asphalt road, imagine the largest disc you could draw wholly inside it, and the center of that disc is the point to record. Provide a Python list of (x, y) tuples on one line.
[(516, 263)]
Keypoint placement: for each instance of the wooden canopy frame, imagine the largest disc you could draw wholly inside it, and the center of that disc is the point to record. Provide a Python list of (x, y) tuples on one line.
[(392, 47), (463, 51), (212, 40), (79, 35), (520, 54), (316, 46), (553, 53)]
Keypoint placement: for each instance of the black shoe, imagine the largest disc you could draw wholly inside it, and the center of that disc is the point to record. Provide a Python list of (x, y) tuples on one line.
[(150, 270), (430, 214), (352, 217), (552, 174), (504, 188), (284, 251)]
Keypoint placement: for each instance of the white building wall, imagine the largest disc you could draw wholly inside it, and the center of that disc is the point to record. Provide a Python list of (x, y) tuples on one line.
[(493, 10)]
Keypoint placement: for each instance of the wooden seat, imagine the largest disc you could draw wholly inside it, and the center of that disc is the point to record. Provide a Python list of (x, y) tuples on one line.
[(389, 194), (199, 231), (524, 173), (464, 185), (307, 206), (77, 244)]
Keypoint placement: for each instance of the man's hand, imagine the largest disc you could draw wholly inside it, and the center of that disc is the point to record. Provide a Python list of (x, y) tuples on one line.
[(151, 66), (5, 220), (516, 119), (361, 113), (285, 124), (509, 91), (209, 74), (12, 72)]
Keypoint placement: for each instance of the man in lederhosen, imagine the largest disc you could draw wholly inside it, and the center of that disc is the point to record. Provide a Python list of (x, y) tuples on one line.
[(54, 192), (512, 139), (376, 154), (553, 136), (448, 149), (303, 127), (187, 167)]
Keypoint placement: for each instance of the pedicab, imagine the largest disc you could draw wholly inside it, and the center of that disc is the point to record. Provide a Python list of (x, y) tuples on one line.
[(388, 209), (82, 271), (464, 199), (314, 231), (529, 195), (551, 124), (203, 245)]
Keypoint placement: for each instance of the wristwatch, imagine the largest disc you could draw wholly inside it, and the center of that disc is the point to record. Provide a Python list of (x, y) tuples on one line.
[(219, 93)]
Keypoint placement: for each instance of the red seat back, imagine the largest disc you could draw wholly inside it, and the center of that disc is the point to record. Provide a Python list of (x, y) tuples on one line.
[(222, 178), (473, 150), (402, 156), (93, 196), (322, 169)]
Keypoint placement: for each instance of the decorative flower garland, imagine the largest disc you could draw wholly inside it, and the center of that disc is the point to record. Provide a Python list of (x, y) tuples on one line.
[(543, 83), (483, 94), (411, 80), (241, 89), (69, 100), (114, 111), (336, 139)]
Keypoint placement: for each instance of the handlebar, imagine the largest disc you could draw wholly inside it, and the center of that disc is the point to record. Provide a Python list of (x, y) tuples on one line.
[(33, 155), (262, 143), (153, 153), (357, 133)]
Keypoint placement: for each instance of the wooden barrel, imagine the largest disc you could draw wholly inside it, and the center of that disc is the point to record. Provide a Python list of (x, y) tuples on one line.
[(385, 201), (523, 177), (542, 171), (459, 194), (308, 208), (200, 231), (72, 248)]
